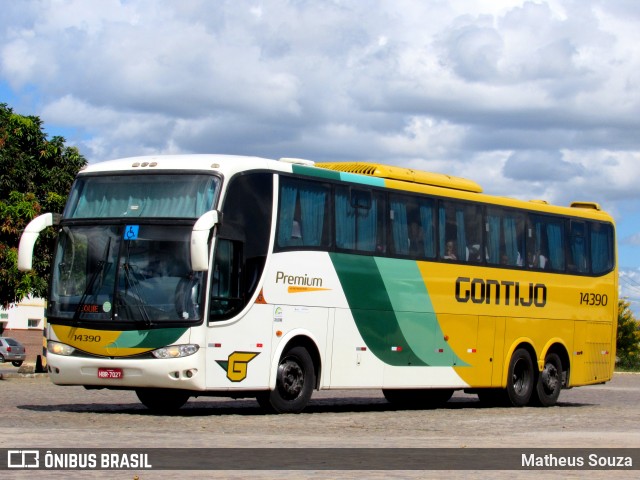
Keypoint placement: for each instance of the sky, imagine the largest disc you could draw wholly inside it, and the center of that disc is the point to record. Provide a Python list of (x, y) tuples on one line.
[(531, 99)]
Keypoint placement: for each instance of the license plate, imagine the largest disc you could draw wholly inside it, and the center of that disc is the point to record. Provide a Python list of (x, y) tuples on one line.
[(110, 373)]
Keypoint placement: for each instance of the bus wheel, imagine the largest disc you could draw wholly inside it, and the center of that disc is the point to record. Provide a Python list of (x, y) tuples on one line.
[(549, 382), (162, 400), (520, 383), (295, 381)]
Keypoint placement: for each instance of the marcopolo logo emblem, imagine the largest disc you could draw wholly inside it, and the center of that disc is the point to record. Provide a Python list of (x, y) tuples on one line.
[(23, 459), (237, 364)]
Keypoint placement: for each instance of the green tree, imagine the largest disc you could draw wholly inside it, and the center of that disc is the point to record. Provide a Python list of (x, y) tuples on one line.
[(628, 340), (36, 174)]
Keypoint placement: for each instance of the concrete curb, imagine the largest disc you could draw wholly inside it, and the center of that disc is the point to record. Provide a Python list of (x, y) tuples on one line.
[(5, 376), (26, 370)]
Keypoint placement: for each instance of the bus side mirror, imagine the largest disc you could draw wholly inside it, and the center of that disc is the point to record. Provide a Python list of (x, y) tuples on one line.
[(200, 240), (29, 237)]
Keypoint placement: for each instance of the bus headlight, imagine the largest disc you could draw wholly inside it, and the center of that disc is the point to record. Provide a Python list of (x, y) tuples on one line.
[(59, 348), (175, 351)]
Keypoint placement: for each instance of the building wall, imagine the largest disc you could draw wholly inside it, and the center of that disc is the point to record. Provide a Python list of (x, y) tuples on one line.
[(14, 323), (26, 315)]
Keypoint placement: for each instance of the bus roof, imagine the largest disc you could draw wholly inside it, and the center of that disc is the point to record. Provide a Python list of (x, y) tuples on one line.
[(372, 174), (405, 175), (186, 162)]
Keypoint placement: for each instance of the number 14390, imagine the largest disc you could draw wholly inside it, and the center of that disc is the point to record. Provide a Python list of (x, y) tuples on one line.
[(594, 299)]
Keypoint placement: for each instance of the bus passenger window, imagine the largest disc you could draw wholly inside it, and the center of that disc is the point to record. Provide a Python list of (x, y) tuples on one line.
[(578, 261), (460, 227), (412, 226), (359, 220), (505, 237), (601, 241), (302, 214), (545, 243)]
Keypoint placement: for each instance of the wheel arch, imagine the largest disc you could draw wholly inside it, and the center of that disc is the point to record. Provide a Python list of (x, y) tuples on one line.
[(522, 342), (558, 347), (297, 338)]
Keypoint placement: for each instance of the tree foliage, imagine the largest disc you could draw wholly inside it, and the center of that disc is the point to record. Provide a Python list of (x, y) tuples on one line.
[(36, 174), (628, 339)]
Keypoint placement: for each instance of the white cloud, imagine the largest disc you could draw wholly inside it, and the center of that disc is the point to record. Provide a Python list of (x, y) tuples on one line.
[(529, 98)]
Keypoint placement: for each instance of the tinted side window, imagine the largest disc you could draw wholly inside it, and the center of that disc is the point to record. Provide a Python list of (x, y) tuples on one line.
[(578, 258), (303, 214), (505, 237), (412, 226), (460, 232), (602, 251), (243, 243), (545, 243), (359, 220)]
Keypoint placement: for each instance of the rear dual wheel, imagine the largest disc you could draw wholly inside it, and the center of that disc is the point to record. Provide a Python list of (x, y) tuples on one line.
[(549, 382), (525, 385)]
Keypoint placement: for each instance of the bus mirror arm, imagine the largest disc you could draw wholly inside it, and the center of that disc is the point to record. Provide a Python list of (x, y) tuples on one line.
[(29, 237), (200, 240)]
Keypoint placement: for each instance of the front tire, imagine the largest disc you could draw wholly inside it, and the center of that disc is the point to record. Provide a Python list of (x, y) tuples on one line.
[(162, 400), (520, 383), (549, 382), (295, 381)]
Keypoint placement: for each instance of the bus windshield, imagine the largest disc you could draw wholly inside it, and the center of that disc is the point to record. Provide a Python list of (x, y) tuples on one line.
[(148, 195), (125, 273)]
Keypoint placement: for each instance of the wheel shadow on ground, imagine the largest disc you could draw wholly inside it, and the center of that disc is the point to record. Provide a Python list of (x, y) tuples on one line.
[(249, 407)]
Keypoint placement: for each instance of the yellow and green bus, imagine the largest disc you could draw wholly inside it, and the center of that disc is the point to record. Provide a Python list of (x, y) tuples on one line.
[(192, 275)]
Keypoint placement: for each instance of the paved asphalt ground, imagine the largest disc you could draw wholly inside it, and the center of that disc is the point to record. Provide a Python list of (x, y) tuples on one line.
[(37, 414)]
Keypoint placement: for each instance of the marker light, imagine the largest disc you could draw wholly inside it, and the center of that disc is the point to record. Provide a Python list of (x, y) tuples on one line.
[(175, 351), (59, 348)]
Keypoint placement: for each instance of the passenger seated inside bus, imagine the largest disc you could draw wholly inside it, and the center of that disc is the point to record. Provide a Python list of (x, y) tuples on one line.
[(537, 260), (416, 239), (450, 251), (473, 253), (505, 260)]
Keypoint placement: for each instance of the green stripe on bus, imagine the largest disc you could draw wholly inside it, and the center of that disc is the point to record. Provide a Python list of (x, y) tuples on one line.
[(372, 309), (414, 311), (148, 338), (338, 176)]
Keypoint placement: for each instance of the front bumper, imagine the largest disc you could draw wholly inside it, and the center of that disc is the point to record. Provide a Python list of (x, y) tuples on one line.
[(182, 373)]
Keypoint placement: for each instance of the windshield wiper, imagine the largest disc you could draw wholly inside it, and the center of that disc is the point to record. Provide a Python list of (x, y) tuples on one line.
[(131, 281), (100, 268)]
